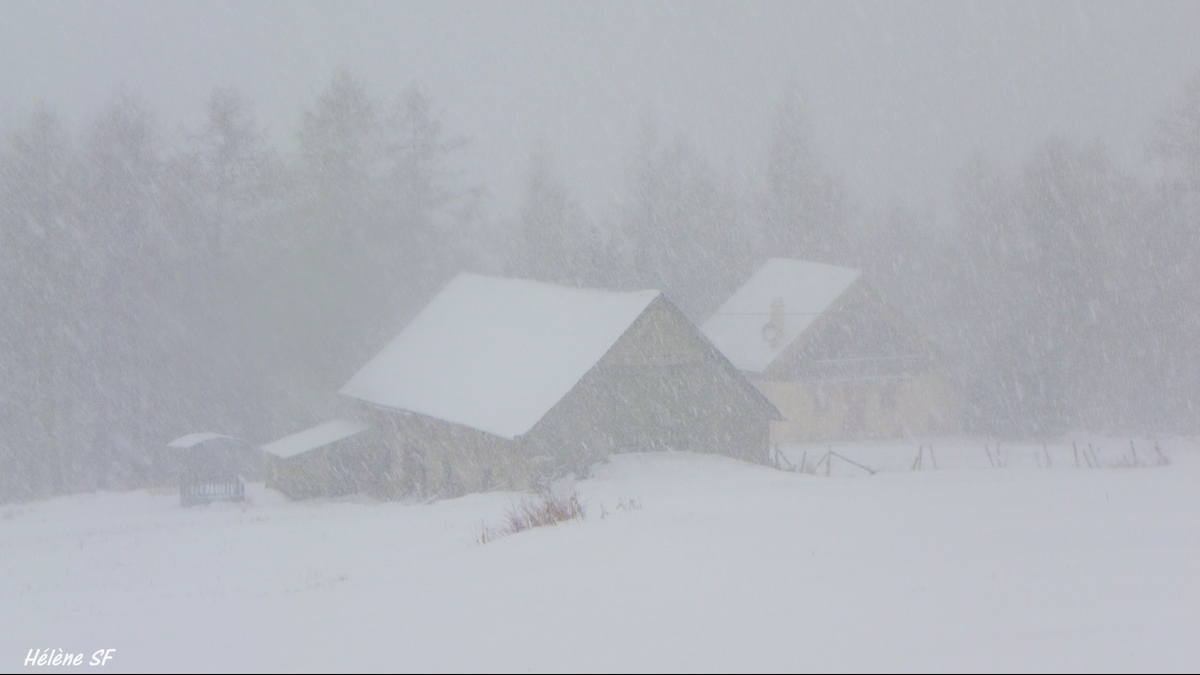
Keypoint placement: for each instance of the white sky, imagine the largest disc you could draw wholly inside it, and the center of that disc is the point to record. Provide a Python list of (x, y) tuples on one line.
[(898, 93)]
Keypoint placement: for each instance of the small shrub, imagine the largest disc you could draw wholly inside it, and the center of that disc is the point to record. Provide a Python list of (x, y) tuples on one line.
[(548, 508), (623, 504), (628, 504)]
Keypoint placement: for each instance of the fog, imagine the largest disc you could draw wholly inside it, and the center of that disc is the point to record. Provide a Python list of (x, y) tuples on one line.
[(886, 86), (214, 213)]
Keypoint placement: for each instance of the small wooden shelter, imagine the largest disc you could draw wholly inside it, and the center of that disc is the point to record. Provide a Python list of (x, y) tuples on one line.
[(502, 383), (212, 467), (835, 359)]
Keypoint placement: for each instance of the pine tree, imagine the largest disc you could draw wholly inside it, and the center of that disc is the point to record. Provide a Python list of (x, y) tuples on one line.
[(558, 243), (1178, 135), (804, 210), (127, 248), (42, 291), (234, 172), (683, 227)]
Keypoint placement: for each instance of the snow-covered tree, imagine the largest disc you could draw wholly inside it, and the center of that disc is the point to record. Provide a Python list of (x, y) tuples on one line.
[(43, 287), (803, 208), (683, 227), (1046, 288), (370, 224), (1178, 135), (557, 241), (233, 171)]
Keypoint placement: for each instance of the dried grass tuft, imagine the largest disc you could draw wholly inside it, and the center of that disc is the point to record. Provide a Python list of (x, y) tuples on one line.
[(548, 508)]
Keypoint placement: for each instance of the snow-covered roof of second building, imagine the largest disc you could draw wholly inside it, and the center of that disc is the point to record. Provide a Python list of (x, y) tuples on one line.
[(190, 440), (316, 437), (787, 295), (496, 354)]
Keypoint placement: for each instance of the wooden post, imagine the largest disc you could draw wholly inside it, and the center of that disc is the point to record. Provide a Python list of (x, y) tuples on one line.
[(781, 459)]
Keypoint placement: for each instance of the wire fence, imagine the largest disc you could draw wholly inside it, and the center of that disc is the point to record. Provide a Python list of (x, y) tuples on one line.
[(870, 458)]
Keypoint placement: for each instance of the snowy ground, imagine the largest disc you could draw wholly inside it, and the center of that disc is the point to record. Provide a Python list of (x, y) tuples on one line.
[(684, 561)]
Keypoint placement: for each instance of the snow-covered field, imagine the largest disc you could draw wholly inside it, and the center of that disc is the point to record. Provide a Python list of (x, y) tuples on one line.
[(684, 561)]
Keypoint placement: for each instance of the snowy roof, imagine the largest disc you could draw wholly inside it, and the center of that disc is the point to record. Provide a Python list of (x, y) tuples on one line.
[(184, 442), (773, 308), (316, 437), (496, 354)]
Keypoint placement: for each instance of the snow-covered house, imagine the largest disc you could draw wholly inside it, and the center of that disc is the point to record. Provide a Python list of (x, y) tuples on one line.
[(328, 460), (499, 383), (835, 359)]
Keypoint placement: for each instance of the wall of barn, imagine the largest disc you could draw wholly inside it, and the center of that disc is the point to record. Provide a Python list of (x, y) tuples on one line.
[(347, 467), (660, 387), (924, 404), (427, 457)]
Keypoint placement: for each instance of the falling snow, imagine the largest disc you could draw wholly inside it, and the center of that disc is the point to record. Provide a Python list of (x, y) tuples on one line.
[(215, 216)]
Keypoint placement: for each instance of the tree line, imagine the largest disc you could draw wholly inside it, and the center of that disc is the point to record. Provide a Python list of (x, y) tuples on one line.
[(156, 285)]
